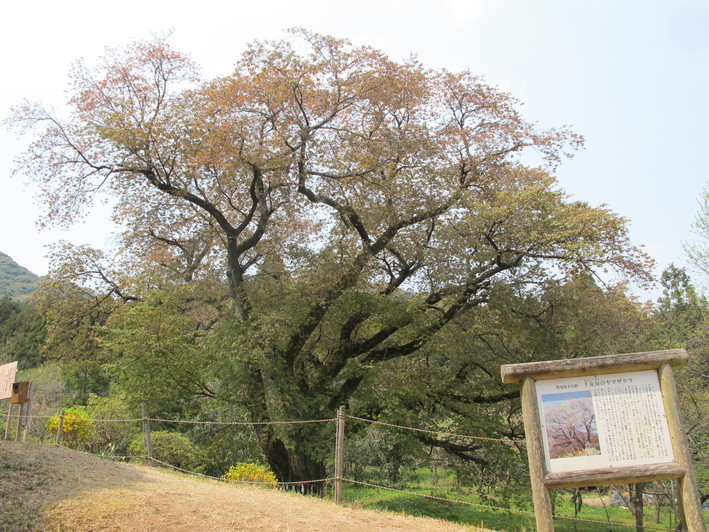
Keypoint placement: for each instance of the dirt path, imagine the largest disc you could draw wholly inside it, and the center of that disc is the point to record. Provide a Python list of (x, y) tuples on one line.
[(49, 488)]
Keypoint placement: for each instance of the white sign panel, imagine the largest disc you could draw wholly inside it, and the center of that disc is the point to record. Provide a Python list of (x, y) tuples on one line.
[(603, 421), (7, 377)]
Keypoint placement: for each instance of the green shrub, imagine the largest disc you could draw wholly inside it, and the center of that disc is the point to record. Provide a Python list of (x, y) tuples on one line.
[(249, 472), (76, 429), (172, 448), (111, 437)]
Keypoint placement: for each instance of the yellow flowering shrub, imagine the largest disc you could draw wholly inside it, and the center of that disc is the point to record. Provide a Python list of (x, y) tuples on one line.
[(76, 429), (248, 472)]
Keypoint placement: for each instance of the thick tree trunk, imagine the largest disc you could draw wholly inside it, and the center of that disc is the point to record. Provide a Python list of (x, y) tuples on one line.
[(235, 276), (295, 466)]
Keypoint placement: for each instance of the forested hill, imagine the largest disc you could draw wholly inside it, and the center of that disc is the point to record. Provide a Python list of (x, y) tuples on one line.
[(15, 280)]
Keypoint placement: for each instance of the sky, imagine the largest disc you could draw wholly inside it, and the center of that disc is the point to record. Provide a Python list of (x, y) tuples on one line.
[(551, 399), (630, 76)]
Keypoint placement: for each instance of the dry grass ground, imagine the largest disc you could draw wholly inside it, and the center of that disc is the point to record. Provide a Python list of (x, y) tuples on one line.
[(56, 489)]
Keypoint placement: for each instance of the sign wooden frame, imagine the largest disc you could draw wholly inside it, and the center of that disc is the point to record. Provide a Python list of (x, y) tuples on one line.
[(679, 468)]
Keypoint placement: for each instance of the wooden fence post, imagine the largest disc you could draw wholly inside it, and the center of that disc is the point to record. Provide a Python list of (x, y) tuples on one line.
[(339, 452), (60, 428), (146, 437)]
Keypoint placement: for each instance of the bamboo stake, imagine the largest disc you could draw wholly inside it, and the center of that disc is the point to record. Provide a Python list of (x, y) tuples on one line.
[(28, 418), (9, 417), (146, 436), (60, 428)]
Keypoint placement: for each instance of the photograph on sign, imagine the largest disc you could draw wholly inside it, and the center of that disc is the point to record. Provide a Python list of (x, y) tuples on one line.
[(7, 377), (570, 422), (603, 421)]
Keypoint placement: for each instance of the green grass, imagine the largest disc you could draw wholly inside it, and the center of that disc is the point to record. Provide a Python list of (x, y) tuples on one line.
[(418, 506), (511, 521)]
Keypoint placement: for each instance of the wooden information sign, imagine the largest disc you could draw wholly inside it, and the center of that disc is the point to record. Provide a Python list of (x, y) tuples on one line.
[(604, 420)]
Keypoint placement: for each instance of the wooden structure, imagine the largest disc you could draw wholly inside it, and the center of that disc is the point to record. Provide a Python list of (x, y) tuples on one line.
[(22, 396), (543, 480)]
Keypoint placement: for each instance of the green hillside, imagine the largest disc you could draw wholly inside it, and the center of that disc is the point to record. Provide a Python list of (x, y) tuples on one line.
[(15, 280)]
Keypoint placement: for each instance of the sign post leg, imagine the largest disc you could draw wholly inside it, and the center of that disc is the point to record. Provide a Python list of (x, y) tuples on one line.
[(535, 454), (689, 495)]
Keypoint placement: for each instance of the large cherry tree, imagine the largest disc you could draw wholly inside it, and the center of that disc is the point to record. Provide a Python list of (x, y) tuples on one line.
[(350, 206)]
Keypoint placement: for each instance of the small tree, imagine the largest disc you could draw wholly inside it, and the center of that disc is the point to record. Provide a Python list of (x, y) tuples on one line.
[(698, 249)]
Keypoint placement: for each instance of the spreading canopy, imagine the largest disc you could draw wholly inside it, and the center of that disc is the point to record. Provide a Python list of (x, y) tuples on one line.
[(412, 177)]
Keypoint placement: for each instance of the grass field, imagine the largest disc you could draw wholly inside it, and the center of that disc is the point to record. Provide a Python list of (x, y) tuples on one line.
[(518, 519)]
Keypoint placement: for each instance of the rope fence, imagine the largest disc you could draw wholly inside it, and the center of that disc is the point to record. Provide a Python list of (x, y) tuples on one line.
[(337, 479), (251, 482), (135, 420), (437, 432), (241, 423)]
